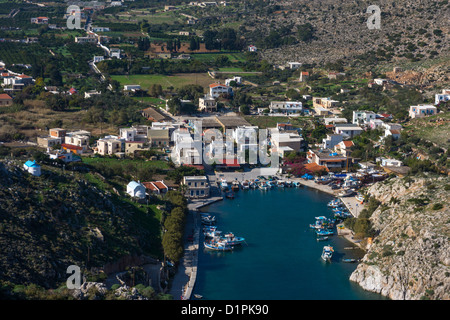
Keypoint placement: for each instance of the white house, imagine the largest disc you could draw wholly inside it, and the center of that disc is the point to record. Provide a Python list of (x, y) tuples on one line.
[(131, 87), (286, 106), (286, 139), (389, 162), (100, 29), (236, 79), (331, 140), (252, 48), (207, 103), (392, 126), (363, 117), (98, 58), (114, 53), (422, 111), (294, 65), (186, 150), (135, 133), (196, 186), (380, 82), (109, 145), (347, 129), (375, 123), (442, 97), (32, 167), (392, 132), (136, 190), (334, 120), (77, 138), (216, 89), (63, 155)]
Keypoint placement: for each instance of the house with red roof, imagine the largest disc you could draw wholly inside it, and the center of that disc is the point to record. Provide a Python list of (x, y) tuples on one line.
[(5, 100), (228, 164), (392, 132), (39, 20), (72, 148), (23, 78), (217, 89), (344, 147), (304, 76), (156, 187)]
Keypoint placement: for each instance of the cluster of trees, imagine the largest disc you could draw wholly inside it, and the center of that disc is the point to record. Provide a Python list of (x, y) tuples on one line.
[(226, 39), (151, 66), (284, 35), (362, 226), (174, 223), (189, 92)]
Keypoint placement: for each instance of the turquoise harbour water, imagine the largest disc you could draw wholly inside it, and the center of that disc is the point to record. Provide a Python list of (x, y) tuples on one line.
[(281, 258)]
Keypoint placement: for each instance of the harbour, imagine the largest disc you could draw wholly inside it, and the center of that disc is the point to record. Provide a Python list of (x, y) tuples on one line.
[(282, 257)]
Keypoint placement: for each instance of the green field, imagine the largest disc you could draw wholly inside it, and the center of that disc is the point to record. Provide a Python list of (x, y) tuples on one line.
[(175, 81), (233, 57), (151, 100)]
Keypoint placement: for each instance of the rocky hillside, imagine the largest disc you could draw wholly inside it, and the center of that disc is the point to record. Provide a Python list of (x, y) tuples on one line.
[(59, 219), (410, 29), (410, 257)]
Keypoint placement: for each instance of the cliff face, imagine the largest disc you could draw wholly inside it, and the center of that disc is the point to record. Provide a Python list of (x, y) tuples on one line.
[(410, 257)]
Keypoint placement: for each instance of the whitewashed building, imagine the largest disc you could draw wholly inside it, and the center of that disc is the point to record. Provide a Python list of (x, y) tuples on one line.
[(363, 117), (136, 190), (286, 107), (32, 167), (217, 89), (442, 97), (422, 111)]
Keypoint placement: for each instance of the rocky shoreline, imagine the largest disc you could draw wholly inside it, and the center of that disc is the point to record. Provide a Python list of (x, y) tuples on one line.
[(410, 257)]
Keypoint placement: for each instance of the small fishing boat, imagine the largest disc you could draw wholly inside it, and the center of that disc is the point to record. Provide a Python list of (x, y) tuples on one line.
[(280, 184), (359, 197), (223, 185), (245, 185), (235, 186), (348, 260), (207, 229), (327, 253), (322, 232), (198, 296), (335, 203), (218, 246), (232, 240), (229, 195), (208, 219), (213, 233), (263, 186), (322, 238), (346, 193), (253, 184)]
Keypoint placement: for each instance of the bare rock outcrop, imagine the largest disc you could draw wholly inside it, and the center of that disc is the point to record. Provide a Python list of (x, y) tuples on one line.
[(409, 258)]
